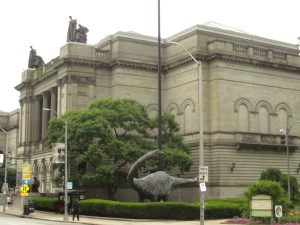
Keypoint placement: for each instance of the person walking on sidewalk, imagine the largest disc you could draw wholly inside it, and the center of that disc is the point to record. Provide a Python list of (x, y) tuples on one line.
[(75, 210)]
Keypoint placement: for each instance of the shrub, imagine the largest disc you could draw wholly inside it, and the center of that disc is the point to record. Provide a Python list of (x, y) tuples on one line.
[(293, 183), (270, 188), (46, 204), (214, 209), (274, 174)]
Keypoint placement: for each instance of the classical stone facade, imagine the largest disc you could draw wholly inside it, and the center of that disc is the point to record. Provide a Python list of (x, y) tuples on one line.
[(10, 123), (250, 88)]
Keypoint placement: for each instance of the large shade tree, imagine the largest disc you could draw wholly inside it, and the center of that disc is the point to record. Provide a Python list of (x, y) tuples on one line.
[(11, 177), (106, 138)]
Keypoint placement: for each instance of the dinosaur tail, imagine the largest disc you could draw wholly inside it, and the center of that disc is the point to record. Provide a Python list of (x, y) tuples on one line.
[(139, 163)]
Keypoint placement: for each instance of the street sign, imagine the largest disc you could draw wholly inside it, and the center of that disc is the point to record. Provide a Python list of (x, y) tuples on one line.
[(202, 187), (70, 185), (26, 181), (24, 188), (5, 187), (26, 171), (24, 194), (203, 173)]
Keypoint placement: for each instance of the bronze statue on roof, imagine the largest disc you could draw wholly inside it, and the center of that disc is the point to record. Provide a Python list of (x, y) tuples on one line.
[(76, 34)]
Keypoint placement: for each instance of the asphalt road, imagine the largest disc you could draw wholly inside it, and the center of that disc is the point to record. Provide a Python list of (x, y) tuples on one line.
[(6, 219)]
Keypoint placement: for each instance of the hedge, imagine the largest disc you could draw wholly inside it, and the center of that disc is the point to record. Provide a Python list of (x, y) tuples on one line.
[(46, 204), (214, 209)]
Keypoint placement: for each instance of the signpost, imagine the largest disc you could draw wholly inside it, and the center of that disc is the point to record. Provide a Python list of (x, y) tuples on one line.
[(26, 178)]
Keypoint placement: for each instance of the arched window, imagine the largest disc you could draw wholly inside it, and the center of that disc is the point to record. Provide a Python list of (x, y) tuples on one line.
[(243, 118), (189, 121), (263, 120), (282, 119)]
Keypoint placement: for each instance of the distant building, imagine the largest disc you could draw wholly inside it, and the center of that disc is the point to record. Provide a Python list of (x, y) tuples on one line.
[(10, 123), (251, 88)]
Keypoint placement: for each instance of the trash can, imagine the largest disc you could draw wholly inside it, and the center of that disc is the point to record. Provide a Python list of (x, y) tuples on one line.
[(26, 210), (31, 207)]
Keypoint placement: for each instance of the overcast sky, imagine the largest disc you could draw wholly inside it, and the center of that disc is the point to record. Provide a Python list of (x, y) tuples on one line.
[(43, 24)]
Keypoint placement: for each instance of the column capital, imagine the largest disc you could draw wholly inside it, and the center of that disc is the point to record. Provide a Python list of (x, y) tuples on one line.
[(37, 97)]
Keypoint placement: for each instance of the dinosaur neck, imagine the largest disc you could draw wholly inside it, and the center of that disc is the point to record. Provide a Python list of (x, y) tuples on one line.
[(138, 164)]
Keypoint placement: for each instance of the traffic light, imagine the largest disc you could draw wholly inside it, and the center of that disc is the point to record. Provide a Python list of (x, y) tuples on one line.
[(282, 140)]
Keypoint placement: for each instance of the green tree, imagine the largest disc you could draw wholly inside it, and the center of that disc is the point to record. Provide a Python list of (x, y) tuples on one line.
[(293, 183), (106, 138), (11, 177), (272, 174), (176, 152)]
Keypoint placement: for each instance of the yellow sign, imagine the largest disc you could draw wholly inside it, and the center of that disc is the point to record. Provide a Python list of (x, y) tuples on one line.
[(26, 171), (24, 194), (24, 188)]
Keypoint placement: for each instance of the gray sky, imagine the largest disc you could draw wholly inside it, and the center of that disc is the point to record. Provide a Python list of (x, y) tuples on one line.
[(43, 24)]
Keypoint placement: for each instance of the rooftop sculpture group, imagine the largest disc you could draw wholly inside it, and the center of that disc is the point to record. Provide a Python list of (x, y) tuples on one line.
[(35, 61), (76, 34)]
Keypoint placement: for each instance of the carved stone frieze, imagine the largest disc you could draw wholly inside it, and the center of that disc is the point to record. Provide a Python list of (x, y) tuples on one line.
[(76, 80), (263, 141), (82, 80)]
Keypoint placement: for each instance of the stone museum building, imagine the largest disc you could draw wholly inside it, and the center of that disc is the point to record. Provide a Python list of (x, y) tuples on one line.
[(250, 88)]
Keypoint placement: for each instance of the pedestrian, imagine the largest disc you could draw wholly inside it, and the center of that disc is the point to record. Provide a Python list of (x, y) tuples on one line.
[(75, 210), (8, 200)]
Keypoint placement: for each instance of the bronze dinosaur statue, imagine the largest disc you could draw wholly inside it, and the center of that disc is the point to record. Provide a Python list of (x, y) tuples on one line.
[(156, 186)]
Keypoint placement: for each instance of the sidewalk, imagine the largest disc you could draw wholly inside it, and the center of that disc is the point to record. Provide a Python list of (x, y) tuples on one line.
[(104, 221)]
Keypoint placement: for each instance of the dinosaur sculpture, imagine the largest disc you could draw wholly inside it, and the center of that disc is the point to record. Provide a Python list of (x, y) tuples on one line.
[(156, 186)]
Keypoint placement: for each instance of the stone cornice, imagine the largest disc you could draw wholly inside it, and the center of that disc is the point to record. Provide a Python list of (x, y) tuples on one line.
[(142, 66), (251, 61), (22, 85), (231, 58)]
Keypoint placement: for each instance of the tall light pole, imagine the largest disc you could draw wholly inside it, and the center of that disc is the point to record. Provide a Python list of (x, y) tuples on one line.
[(200, 109), (5, 168), (159, 125), (286, 131), (66, 217)]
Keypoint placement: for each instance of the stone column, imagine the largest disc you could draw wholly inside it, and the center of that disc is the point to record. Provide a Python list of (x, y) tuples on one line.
[(45, 115), (53, 102), (29, 120), (21, 125), (37, 118)]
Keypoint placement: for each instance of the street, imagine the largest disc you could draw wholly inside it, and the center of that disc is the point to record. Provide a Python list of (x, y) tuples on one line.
[(6, 219)]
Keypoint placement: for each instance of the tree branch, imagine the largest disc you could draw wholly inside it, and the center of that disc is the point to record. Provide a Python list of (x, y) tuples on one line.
[(123, 164), (116, 133), (124, 133)]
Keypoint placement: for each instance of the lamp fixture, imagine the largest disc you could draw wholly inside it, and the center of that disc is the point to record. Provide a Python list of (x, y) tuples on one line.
[(232, 167)]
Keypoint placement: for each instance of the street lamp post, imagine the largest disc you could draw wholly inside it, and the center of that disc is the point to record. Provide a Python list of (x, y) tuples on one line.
[(200, 109), (286, 132), (5, 167), (66, 217), (159, 125)]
